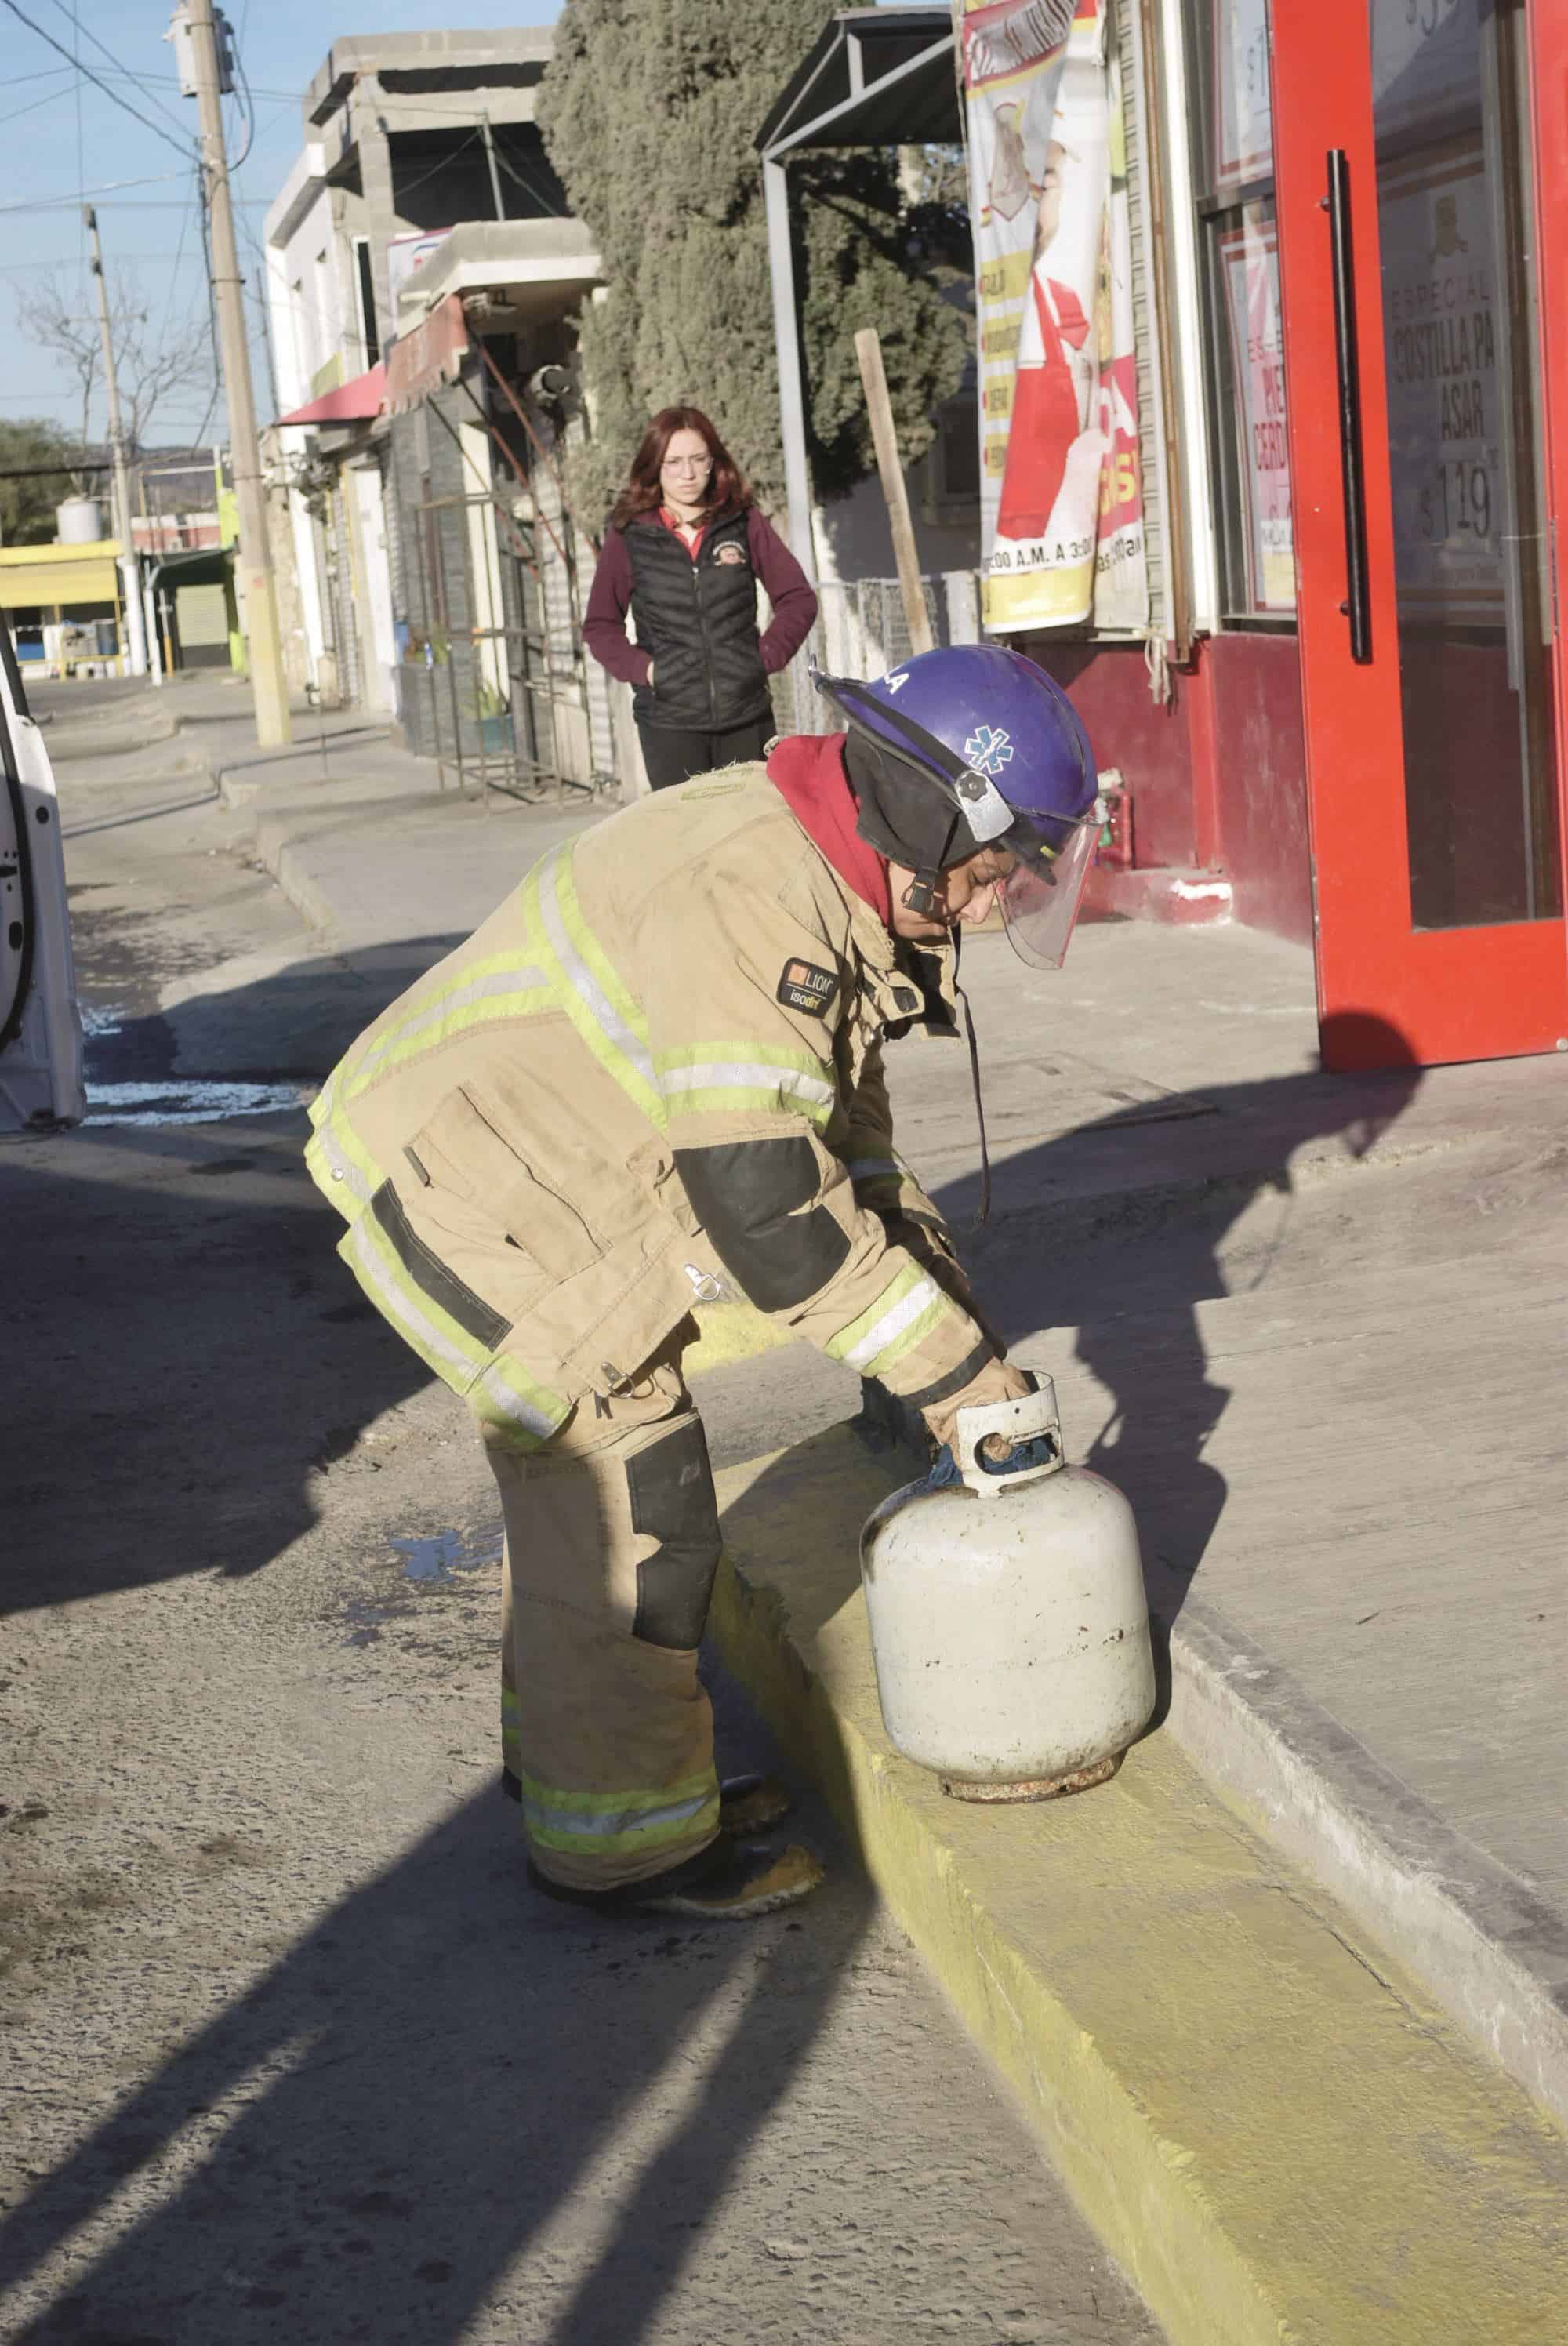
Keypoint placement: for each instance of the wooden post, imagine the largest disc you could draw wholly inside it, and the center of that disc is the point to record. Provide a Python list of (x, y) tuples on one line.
[(869, 351)]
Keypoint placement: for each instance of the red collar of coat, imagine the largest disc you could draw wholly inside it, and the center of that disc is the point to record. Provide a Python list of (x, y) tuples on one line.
[(807, 771)]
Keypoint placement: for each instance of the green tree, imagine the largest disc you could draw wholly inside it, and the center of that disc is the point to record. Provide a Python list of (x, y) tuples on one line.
[(27, 505), (650, 110)]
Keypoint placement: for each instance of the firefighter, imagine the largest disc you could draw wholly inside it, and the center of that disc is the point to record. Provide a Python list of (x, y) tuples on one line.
[(655, 1069)]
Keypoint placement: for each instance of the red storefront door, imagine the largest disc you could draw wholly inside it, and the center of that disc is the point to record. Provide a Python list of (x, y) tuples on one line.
[(1422, 154)]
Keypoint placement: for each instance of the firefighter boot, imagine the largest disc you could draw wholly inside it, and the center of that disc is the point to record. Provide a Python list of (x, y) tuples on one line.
[(725, 1883)]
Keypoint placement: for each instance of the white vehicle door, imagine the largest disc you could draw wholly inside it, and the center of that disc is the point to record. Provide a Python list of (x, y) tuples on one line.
[(40, 1026)]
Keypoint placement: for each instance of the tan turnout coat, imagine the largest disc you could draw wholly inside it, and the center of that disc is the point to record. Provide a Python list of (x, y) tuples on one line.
[(681, 982)]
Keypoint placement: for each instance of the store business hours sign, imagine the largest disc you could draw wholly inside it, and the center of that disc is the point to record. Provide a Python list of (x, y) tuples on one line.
[(1446, 423)]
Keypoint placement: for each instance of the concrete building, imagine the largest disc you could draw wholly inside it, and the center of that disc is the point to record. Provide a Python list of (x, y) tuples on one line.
[(421, 193)]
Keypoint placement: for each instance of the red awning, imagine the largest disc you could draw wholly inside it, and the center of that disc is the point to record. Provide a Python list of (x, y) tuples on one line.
[(352, 403)]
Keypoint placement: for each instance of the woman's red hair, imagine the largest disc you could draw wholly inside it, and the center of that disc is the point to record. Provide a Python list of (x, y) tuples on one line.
[(728, 490)]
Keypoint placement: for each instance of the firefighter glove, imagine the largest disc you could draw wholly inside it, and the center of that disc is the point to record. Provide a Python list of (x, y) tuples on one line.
[(997, 1381)]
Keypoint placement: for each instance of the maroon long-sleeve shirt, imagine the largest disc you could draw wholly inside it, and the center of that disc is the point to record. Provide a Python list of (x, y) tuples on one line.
[(785, 584)]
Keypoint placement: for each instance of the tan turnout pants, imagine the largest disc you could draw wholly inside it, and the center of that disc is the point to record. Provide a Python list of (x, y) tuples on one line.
[(612, 1542)]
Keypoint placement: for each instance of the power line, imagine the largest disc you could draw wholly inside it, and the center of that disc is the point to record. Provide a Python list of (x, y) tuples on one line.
[(192, 203), (406, 187), (12, 268), (50, 98), (539, 195), (99, 82), (72, 17)]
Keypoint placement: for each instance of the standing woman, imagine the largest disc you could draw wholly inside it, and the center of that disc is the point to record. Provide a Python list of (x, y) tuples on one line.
[(684, 553)]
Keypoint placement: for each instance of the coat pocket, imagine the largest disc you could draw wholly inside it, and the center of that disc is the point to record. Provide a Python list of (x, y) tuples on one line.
[(462, 1150)]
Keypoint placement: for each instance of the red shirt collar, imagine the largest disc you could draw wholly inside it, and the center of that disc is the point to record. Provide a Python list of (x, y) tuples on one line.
[(673, 526), (807, 769)]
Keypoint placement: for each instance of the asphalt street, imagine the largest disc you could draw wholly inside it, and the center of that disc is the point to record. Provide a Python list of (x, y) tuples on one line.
[(294, 2055)]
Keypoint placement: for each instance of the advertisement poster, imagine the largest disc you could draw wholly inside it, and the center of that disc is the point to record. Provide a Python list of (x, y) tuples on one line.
[(1446, 422), (1250, 269), (1242, 107), (1061, 504)]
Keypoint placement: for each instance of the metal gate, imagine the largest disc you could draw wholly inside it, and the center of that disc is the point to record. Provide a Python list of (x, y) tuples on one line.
[(493, 667)]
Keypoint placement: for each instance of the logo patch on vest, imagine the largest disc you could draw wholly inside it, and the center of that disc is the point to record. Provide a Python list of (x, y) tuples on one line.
[(806, 988), (729, 551)]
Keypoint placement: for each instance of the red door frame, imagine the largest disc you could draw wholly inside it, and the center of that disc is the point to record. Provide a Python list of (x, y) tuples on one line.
[(1385, 993), (1548, 22)]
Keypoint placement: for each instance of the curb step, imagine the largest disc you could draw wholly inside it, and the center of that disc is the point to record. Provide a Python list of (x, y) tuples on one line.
[(1273, 2127)]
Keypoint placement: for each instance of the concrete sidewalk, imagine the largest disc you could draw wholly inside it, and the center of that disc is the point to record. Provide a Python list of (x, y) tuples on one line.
[(1316, 1328)]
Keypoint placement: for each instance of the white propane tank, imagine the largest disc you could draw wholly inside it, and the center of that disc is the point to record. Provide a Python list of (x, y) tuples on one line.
[(1009, 1624)]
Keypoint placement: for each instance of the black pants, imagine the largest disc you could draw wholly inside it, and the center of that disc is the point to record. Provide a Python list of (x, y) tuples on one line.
[(672, 754)]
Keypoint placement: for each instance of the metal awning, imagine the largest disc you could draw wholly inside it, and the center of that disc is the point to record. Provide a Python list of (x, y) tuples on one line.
[(48, 578), (358, 401), (429, 355), (874, 78), (193, 565)]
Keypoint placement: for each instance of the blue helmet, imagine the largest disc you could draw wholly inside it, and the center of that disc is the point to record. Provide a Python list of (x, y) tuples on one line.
[(1000, 751)]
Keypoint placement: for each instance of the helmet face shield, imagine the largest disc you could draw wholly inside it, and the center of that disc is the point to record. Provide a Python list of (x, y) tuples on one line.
[(1040, 895)]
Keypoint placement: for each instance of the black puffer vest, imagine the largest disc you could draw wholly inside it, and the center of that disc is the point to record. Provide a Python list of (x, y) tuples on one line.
[(699, 621)]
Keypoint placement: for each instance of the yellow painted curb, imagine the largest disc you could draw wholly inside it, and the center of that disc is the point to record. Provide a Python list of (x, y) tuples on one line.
[(731, 1331), (1271, 2127)]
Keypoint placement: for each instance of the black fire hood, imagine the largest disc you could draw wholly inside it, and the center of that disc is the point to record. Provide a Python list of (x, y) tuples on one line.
[(902, 813)]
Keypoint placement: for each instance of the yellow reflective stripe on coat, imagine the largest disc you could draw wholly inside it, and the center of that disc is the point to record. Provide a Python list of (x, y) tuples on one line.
[(506, 987), (745, 1079), (584, 986), (902, 1316), (619, 1824), (454, 1355), (505, 1397), (336, 1158)]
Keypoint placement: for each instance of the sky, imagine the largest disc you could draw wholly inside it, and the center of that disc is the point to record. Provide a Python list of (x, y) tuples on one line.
[(68, 139)]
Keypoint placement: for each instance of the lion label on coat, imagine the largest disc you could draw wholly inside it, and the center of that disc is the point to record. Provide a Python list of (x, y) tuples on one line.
[(805, 987)]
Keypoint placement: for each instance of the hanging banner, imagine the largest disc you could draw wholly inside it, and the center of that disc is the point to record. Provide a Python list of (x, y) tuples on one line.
[(1061, 502), (1249, 270)]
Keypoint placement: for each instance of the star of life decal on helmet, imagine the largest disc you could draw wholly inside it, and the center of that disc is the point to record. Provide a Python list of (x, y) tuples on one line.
[(989, 748)]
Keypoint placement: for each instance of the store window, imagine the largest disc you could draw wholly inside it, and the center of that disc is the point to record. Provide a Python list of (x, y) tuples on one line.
[(1233, 170)]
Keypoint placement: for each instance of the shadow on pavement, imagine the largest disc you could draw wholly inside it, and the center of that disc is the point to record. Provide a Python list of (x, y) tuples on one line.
[(1130, 1245), (187, 1349), (445, 2074)]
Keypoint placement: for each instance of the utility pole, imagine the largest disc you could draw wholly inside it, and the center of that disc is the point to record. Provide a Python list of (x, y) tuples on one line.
[(130, 569), (254, 567), (487, 133)]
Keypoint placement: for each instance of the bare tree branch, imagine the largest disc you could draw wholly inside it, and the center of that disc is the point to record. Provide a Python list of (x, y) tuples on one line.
[(150, 361)]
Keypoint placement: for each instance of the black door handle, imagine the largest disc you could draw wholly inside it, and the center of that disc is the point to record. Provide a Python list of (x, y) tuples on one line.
[(1358, 606)]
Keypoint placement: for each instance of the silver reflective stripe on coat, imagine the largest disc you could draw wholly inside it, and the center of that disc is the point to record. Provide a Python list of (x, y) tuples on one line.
[(399, 1304), (608, 1019), (338, 1164), (513, 1405), (734, 1075), (892, 1323), (499, 984)]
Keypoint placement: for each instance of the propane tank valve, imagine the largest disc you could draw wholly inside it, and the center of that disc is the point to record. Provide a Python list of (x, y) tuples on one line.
[(989, 1437)]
